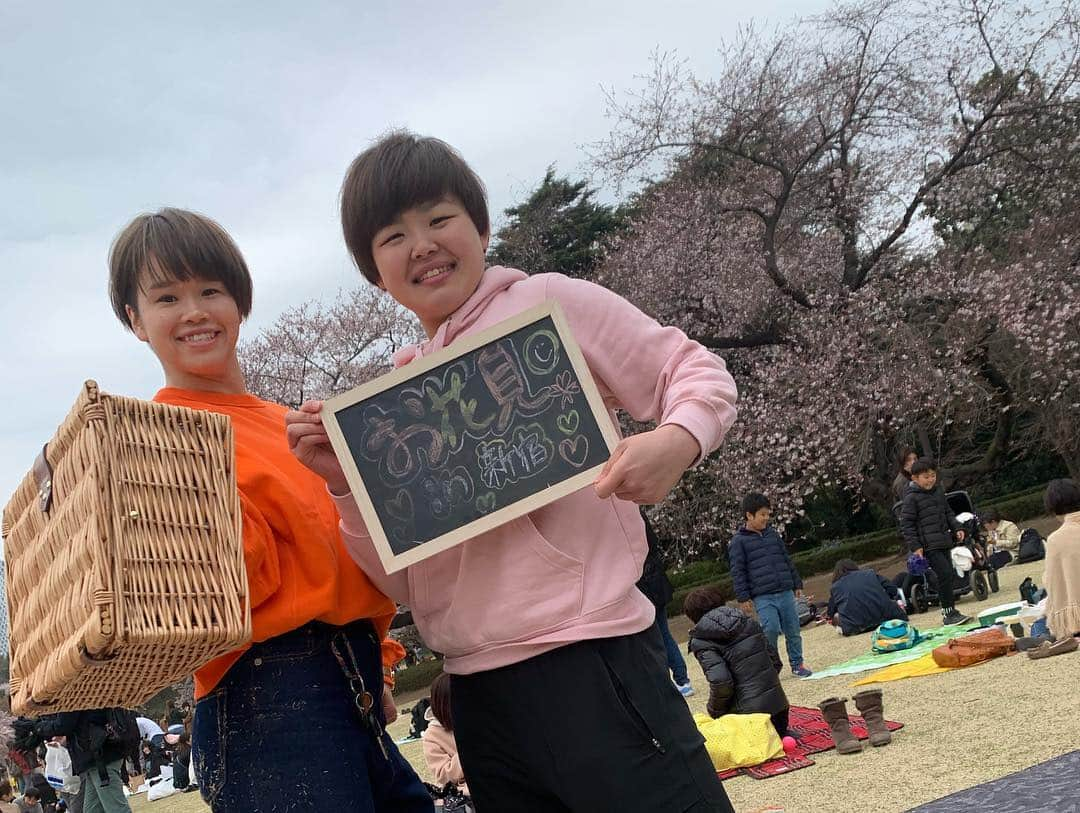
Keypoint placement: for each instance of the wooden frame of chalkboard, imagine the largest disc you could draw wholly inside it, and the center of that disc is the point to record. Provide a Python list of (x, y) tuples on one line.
[(513, 358)]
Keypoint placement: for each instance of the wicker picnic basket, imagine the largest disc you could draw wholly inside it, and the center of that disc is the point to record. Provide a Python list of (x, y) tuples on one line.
[(125, 569)]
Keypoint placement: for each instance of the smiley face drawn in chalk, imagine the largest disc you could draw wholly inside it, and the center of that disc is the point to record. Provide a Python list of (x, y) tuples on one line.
[(485, 503), (568, 422), (575, 451)]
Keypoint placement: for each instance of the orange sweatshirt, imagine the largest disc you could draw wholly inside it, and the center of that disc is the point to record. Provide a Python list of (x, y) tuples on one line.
[(297, 569)]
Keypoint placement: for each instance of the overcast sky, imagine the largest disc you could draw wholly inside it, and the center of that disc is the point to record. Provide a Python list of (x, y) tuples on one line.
[(250, 112)]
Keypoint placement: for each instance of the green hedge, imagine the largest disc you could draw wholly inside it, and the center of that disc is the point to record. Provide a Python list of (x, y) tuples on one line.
[(1022, 506), (808, 563), (697, 573), (723, 583), (417, 677), (1018, 507)]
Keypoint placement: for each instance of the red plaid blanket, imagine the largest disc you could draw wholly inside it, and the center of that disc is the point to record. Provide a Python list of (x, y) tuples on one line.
[(812, 736)]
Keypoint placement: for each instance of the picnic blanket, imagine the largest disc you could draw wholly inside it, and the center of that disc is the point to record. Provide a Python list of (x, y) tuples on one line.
[(870, 660), (898, 671), (1049, 787), (812, 736)]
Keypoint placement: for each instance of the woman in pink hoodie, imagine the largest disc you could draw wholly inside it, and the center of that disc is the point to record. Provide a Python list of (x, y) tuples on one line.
[(440, 748), (561, 699)]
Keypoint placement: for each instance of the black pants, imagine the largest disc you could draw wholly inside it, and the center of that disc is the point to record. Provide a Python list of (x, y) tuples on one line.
[(941, 563), (780, 722), (596, 725)]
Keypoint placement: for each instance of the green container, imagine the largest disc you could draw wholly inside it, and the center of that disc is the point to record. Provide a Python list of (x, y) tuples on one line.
[(992, 615)]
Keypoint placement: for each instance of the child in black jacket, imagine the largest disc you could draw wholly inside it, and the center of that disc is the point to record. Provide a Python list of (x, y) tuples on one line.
[(931, 530), (742, 668)]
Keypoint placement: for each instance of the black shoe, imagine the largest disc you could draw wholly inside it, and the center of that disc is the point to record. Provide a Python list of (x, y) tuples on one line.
[(954, 617), (1024, 644)]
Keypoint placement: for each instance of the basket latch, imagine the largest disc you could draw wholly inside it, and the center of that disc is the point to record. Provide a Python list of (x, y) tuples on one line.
[(43, 476)]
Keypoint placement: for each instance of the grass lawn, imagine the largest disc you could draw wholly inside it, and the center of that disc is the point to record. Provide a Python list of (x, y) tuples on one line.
[(962, 727)]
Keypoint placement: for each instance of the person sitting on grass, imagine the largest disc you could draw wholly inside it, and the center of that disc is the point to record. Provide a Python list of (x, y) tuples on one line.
[(440, 748), (739, 663), (1062, 568), (860, 600), (7, 797), (931, 530), (766, 579), (30, 801), (1003, 535)]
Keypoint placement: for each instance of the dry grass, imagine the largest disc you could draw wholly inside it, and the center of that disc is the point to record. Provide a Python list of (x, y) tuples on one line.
[(962, 728)]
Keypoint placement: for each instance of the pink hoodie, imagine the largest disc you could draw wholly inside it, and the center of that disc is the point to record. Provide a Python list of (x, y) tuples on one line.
[(565, 572)]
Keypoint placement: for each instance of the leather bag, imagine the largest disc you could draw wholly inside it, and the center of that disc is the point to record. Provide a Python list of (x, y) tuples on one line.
[(975, 648)]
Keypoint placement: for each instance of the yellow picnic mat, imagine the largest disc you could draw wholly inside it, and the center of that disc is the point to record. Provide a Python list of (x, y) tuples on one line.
[(898, 671)]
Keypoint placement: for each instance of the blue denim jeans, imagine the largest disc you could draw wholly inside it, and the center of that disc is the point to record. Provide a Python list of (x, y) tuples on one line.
[(777, 612), (675, 660), (279, 733)]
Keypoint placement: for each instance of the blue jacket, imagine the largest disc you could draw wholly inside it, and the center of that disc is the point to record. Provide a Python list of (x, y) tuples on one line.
[(760, 564)]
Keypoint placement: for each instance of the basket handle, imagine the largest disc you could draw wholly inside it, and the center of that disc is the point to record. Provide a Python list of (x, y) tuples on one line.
[(43, 477)]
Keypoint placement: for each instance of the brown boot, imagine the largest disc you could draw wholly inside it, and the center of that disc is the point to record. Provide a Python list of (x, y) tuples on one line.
[(835, 713), (868, 703)]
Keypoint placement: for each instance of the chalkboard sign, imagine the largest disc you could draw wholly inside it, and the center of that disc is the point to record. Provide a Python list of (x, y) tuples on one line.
[(457, 443)]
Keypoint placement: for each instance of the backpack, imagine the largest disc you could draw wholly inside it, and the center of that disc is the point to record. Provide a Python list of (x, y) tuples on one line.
[(419, 724), (118, 733), (1030, 592), (807, 611), (894, 636), (1032, 548)]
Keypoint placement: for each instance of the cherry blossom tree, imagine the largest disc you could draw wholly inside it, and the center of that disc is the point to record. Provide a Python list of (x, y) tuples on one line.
[(790, 233), (316, 350)]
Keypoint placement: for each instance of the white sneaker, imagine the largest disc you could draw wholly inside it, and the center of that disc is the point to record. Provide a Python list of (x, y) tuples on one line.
[(685, 689)]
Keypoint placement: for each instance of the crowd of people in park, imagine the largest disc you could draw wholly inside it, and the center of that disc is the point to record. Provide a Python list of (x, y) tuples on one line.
[(563, 687), (82, 761)]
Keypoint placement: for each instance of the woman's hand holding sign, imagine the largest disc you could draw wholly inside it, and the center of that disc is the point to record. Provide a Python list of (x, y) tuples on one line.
[(310, 444), (644, 468)]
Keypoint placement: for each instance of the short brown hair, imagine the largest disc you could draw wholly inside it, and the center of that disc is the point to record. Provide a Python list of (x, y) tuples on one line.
[(399, 171), (174, 244), (440, 700), (702, 599)]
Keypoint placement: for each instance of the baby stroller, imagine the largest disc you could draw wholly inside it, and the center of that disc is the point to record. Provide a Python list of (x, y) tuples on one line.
[(983, 576), (980, 578)]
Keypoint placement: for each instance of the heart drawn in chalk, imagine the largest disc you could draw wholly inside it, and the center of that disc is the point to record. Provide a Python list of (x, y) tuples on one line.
[(400, 507), (485, 503), (575, 451), (568, 423), (401, 533)]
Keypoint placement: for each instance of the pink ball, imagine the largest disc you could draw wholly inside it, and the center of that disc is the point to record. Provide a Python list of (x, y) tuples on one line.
[(789, 744)]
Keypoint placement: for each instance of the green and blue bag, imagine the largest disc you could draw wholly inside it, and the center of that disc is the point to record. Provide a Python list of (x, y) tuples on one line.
[(894, 636)]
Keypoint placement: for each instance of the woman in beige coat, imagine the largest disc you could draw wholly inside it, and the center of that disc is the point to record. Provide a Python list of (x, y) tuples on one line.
[(1062, 574)]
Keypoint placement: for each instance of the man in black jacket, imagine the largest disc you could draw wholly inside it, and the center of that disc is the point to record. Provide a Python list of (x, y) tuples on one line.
[(96, 756), (930, 529), (657, 588)]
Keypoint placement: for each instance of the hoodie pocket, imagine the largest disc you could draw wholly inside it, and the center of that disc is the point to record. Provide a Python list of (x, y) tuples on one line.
[(505, 586)]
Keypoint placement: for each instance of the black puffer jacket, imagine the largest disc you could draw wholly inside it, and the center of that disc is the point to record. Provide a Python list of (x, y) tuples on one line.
[(926, 520), (741, 667)]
